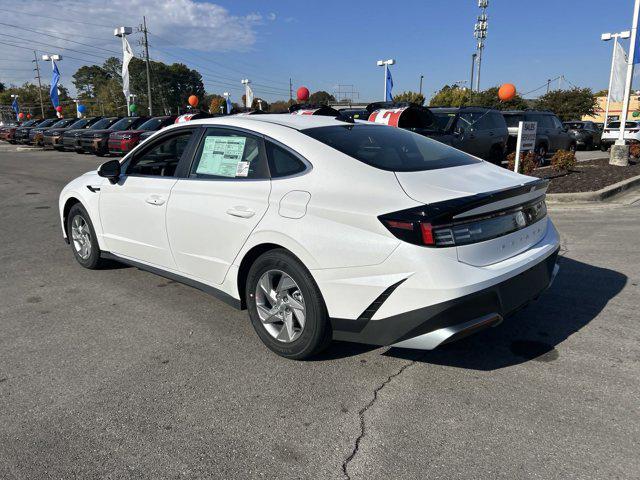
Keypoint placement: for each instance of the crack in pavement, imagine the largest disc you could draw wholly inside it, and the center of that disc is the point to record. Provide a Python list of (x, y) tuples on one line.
[(363, 410)]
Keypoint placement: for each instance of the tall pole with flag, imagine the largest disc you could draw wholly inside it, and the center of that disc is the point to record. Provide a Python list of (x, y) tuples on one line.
[(248, 93), (15, 106), (388, 81), (127, 55), (619, 151), (227, 97), (54, 93)]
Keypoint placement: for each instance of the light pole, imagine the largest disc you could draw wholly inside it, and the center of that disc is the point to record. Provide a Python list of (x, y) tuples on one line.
[(247, 92), (605, 37), (122, 32), (226, 96), (420, 90), (620, 151), (385, 64), (480, 34)]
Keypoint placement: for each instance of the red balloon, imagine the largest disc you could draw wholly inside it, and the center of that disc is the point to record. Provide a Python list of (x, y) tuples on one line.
[(507, 92), (302, 94), (21, 115), (193, 101), (59, 108), (28, 116)]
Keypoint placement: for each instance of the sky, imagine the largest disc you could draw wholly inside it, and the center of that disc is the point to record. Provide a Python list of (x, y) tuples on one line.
[(324, 43)]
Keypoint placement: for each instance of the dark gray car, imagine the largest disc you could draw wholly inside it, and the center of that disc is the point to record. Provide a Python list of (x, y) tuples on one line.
[(476, 130), (586, 134), (551, 135)]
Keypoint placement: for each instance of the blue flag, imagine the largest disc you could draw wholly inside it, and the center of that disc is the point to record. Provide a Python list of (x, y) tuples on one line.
[(53, 91), (389, 86), (228, 105), (16, 107)]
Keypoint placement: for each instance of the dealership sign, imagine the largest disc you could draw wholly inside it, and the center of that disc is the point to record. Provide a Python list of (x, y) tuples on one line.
[(526, 140)]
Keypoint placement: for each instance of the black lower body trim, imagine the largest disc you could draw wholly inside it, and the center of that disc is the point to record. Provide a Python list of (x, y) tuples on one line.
[(503, 299), (225, 297)]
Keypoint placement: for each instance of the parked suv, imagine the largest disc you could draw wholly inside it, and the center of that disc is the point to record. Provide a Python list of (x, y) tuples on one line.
[(479, 131), (586, 134), (551, 135)]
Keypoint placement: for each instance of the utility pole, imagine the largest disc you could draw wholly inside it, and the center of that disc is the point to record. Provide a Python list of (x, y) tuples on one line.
[(35, 59), (480, 33), (473, 68), (290, 90), (146, 56), (420, 89)]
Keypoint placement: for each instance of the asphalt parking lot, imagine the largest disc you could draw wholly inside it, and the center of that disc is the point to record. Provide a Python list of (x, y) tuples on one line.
[(120, 373)]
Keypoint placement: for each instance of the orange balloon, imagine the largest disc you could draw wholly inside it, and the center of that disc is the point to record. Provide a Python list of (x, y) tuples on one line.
[(507, 92), (193, 101)]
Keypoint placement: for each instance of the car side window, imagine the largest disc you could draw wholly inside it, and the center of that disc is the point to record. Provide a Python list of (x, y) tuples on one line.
[(228, 154), (161, 160), (556, 122), (466, 121), (283, 163)]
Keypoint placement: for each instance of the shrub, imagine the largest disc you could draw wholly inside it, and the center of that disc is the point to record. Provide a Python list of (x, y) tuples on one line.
[(563, 161), (528, 162), (634, 150)]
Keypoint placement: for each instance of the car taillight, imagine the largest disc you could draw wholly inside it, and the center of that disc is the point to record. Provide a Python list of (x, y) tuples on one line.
[(407, 225)]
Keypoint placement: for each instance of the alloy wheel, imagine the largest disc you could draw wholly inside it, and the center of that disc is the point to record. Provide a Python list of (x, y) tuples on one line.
[(280, 305), (81, 237)]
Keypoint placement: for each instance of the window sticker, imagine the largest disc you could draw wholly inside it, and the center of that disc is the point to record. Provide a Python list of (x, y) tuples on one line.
[(222, 156), (243, 169)]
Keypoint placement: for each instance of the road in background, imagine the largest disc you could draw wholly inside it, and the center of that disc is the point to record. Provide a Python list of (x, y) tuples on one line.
[(120, 373)]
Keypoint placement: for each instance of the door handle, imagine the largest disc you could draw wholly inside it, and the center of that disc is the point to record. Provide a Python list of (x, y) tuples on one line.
[(155, 200), (242, 212)]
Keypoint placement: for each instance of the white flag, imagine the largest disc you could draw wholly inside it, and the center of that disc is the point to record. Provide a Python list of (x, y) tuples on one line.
[(127, 55), (619, 75), (248, 96)]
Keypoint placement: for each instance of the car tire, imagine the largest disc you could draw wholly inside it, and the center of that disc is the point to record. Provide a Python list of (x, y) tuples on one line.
[(300, 341), (603, 147), (82, 238)]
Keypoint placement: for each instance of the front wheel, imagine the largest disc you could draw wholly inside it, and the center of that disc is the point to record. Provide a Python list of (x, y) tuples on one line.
[(82, 238), (285, 306)]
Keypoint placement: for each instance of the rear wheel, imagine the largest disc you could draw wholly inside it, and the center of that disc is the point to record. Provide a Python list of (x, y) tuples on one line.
[(82, 238), (285, 306)]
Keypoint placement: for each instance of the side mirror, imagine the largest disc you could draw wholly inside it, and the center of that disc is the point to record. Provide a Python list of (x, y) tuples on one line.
[(110, 170)]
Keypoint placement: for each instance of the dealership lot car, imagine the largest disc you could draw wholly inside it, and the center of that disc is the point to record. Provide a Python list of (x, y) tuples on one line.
[(121, 143), (53, 137), (586, 134), (71, 139), (97, 141), (36, 135), (322, 228), (612, 132)]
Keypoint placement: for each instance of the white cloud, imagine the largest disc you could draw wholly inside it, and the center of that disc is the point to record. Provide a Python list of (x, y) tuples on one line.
[(188, 24), (271, 16)]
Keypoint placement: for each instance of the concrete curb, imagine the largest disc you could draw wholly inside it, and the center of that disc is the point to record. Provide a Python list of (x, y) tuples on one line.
[(598, 195)]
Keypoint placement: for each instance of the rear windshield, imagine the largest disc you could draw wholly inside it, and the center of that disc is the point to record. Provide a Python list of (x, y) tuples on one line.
[(62, 123), (47, 123), (390, 148), (79, 124), (513, 120), (444, 120), (102, 124), (125, 123), (626, 125), (574, 125), (152, 124)]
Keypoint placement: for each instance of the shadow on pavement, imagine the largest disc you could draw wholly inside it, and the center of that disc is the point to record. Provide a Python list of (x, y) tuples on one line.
[(579, 293)]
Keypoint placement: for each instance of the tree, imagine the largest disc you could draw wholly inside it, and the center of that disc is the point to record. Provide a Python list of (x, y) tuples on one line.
[(2, 87), (569, 104), (450, 96), (281, 106), (215, 102), (601, 93), (411, 97), (321, 98), (489, 98)]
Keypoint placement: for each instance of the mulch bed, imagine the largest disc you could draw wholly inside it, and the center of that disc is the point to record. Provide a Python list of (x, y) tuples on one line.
[(587, 176)]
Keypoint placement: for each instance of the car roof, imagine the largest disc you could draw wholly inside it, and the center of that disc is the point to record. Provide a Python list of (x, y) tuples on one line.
[(297, 122)]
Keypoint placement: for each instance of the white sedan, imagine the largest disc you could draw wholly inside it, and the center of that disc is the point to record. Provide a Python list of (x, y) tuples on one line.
[(321, 228)]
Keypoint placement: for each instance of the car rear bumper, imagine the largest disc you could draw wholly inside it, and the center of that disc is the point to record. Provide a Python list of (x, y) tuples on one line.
[(428, 327), (419, 300)]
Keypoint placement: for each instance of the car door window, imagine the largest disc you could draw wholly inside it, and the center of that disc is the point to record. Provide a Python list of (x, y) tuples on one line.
[(467, 121), (283, 163), (556, 122), (228, 154), (162, 158)]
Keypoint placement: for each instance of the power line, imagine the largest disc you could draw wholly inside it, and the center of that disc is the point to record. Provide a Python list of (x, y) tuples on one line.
[(59, 38), (90, 54), (68, 20)]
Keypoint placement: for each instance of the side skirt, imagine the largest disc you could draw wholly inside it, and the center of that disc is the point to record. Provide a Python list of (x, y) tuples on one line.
[(219, 294)]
